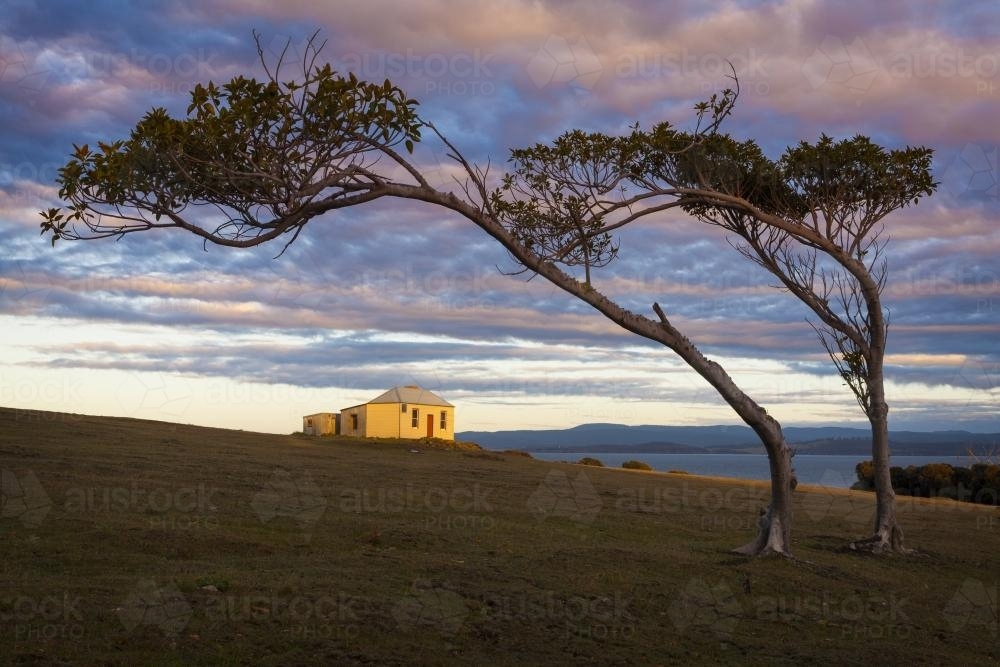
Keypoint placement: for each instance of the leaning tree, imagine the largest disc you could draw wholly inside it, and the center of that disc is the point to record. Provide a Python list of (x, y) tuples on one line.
[(255, 161), (814, 219), (266, 157)]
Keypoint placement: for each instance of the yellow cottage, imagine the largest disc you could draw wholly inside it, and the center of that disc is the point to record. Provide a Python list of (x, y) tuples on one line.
[(401, 412)]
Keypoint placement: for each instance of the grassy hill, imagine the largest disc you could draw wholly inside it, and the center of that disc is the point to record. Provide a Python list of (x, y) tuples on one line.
[(135, 542)]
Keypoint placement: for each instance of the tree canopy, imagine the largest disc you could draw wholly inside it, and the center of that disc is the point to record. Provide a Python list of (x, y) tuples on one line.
[(255, 161)]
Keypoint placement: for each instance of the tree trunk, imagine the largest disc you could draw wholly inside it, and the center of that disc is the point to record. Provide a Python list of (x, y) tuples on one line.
[(888, 534), (776, 523)]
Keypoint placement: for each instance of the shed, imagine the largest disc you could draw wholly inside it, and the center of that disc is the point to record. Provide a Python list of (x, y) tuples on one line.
[(321, 423)]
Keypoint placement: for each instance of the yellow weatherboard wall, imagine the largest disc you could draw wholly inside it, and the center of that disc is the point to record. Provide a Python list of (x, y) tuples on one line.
[(391, 415)]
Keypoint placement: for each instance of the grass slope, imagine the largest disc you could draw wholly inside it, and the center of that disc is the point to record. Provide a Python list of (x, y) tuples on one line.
[(129, 542)]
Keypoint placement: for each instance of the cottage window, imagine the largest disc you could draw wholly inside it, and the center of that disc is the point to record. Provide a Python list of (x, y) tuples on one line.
[(444, 420), (403, 408), (354, 421), (415, 418), (309, 422)]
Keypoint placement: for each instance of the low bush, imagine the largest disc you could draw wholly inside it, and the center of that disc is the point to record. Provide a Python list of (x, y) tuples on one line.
[(637, 465), (589, 461), (518, 452)]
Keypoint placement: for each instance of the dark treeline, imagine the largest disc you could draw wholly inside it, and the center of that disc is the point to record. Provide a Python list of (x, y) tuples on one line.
[(979, 483)]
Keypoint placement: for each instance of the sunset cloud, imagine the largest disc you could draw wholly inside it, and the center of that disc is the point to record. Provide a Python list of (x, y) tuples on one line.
[(401, 293)]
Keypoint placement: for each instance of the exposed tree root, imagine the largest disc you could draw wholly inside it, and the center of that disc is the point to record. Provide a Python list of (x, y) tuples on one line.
[(887, 540), (772, 538)]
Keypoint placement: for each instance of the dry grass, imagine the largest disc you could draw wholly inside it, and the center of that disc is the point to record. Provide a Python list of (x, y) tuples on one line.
[(379, 555)]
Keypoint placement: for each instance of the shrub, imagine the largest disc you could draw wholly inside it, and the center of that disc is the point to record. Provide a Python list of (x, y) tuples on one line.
[(678, 472), (518, 452), (637, 465), (898, 477), (484, 455), (866, 473), (978, 484), (588, 461), (933, 477)]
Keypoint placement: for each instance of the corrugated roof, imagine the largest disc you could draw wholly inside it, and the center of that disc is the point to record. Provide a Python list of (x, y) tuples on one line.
[(411, 394)]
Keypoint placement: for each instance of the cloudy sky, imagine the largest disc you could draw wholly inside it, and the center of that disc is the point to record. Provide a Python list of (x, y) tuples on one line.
[(158, 326)]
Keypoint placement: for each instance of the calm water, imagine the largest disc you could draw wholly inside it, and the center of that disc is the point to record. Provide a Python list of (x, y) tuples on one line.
[(828, 469)]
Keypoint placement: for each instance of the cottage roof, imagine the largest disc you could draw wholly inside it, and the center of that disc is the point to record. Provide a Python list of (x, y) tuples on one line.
[(411, 394)]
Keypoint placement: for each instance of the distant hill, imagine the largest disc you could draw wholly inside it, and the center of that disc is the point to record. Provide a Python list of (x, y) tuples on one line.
[(729, 439)]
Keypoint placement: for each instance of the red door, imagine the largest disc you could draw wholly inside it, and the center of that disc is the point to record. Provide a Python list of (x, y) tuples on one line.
[(430, 426)]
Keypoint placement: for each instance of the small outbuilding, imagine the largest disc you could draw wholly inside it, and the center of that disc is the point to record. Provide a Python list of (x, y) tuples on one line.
[(401, 412), (321, 423)]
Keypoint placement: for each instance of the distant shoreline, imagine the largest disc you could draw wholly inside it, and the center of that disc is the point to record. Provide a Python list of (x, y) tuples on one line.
[(828, 470)]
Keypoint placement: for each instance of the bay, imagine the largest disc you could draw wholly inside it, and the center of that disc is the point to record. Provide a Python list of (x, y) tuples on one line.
[(827, 469)]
